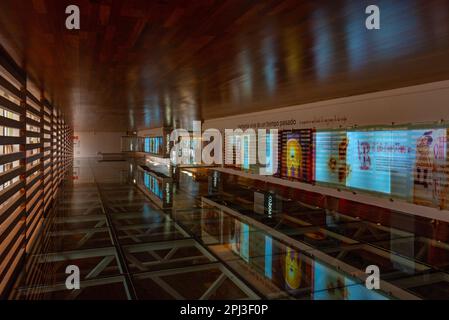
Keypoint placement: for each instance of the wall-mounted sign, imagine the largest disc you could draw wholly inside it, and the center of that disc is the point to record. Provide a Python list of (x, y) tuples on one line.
[(330, 157), (430, 167), (379, 161), (153, 145), (297, 154), (409, 164), (270, 203)]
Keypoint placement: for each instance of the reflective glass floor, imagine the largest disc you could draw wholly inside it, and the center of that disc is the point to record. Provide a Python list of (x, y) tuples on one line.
[(216, 243)]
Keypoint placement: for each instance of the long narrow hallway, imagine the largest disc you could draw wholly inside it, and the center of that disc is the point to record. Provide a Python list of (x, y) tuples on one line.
[(125, 247), (136, 234)]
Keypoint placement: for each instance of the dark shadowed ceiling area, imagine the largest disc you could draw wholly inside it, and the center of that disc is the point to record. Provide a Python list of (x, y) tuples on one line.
[(143, 64)]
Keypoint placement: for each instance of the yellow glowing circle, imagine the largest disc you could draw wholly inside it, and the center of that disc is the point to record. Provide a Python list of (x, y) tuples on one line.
[(294, 158)]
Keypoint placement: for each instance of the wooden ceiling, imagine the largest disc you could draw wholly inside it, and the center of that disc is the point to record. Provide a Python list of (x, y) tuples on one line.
[(146, 63)]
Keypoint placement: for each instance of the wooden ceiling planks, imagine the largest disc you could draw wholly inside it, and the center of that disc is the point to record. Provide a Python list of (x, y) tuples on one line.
[(137, 64)]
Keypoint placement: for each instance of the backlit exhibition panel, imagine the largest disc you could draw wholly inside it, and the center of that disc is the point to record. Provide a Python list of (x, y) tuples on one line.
[(153, 145), (330, 157), (297, 155), (409, 164), (156, 185)]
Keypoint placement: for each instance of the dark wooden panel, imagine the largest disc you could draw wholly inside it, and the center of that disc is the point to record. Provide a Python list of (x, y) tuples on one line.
[(33, 98), (34, 157), (13, 208), (10, 123), (11, 174), (11, 66), (33, 122), (10, 191), (11, 157), (11, 140), (7, 85), (33, 134), (33, 170), (30, 184), (137, 64), (33, 146), (6, 104)]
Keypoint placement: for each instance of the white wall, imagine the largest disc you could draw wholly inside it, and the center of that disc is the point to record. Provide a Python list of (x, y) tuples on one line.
[(416, 104), (154, 132), (89, 143)]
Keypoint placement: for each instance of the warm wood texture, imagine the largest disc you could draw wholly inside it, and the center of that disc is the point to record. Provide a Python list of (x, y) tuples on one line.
[(29, 188), (137, 64)]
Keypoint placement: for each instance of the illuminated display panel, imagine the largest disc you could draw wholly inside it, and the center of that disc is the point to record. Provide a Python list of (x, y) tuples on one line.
[(245, 152), (430, 167), (379, 161), (330, 157), (268, 254), (153, 185), (407, 164), (241, 150), (147, 145), (153, 145), (269, 165), (297, 155), (185, 153)]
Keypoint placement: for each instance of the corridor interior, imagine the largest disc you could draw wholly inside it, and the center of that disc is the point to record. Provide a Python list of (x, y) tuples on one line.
[(224, 149), (213, 244)]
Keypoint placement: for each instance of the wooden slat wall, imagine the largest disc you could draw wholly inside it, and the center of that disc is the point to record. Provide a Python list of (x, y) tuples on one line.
[(48, 158), (39, 152), (13, 196), (34, 185)]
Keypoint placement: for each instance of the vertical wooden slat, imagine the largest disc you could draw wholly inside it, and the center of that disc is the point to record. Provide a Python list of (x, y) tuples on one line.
[(26, 204), (12, 213)]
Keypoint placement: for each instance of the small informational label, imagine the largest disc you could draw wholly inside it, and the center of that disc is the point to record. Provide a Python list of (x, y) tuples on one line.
[(234, 310)]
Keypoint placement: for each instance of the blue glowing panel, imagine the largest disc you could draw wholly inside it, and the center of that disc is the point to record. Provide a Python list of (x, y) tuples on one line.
[(379, 161), (147, 145), (332, 285), (153, 185), (147, 180), (268, 257), (366, 172), (153, 145), (244, 244), (246, 153)]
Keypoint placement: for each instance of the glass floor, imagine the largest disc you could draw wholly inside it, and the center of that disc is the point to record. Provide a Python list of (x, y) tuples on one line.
[(216, 244)]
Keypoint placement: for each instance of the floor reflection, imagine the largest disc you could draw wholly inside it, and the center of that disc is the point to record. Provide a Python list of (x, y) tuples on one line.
[(215, 240)]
